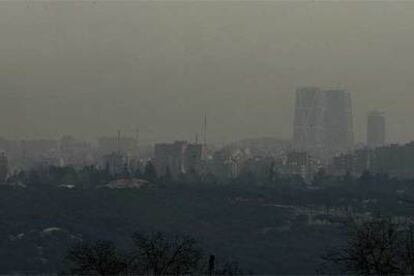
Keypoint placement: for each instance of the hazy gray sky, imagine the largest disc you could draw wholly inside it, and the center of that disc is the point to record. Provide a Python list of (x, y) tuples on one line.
[(90, 68)]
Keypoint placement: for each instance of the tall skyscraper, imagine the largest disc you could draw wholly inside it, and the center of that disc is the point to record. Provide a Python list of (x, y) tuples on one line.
[(375, 129), (309, 120), (339, 135), (323, 123)]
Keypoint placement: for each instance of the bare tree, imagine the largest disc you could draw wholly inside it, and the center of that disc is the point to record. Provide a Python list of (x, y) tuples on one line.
[(376, 247), (408, 254), (154, 253), (161, 254), (95, 258)]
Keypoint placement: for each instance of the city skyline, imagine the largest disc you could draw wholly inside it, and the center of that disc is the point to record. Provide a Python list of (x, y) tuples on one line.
[(134, 133)]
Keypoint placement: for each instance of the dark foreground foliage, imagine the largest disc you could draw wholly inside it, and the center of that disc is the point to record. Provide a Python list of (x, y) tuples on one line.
[(96, 258), (154, 253), (378, 246)]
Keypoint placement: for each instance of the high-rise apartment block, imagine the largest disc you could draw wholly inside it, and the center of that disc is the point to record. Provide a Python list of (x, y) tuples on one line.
[(323, 123), (309, 120), (375, 129)]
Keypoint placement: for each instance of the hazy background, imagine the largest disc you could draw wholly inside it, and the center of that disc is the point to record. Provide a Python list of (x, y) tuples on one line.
[(90, 68)]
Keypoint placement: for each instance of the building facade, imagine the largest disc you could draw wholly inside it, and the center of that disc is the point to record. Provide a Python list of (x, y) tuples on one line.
[(309, 120), (375, 129), (323, 124), (338, 126)]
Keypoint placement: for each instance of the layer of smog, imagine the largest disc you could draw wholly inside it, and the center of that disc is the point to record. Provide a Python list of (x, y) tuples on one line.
[(206, 138)]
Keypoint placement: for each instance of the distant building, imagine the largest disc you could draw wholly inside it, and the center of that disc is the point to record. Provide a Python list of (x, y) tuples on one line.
[(262, 146), (193, 156), (74, 152), (4, 167), (353, 163), (300, 163), (136, 165), (393, 160), (339, 135), (169, 157), (114, 163), (323, 124), (227, 163), (308, 134), (260, 166), (342, 164), (375, 129), (178, 157)]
